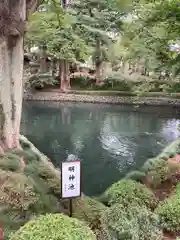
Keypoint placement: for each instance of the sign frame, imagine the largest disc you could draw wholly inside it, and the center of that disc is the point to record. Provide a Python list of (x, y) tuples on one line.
[(80, 180)]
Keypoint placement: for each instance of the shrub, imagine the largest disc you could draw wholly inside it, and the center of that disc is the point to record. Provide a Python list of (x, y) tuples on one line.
[(25, 145), (132, 223), (136, 176), (84, 82), (127, 191), (54, 227), (158, 174), (169, 212), (44, 175), (172, 148), (88, 210), (158, 171), (39, 81), (152, 163), (16, 190), (27, 154), (10, 162)]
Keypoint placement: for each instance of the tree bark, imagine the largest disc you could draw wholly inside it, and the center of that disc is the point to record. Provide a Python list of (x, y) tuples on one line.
[(11, 89), (64, 75), (53, 67), (98, 63), (43, 57)]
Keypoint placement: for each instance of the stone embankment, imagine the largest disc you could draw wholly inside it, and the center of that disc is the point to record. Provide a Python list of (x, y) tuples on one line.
[(58, 96)]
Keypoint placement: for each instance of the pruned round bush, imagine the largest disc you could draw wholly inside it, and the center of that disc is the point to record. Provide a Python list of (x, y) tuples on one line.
[(169, 212), (88, 210), (127, 191), (54, 227), (131, 223)]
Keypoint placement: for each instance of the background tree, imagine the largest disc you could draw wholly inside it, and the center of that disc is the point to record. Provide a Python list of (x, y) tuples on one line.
[(52, 28), (152, 35), (99, 22)]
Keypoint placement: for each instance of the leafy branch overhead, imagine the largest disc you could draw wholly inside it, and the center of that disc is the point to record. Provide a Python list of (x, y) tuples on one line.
[(71, 33), (153, 32)]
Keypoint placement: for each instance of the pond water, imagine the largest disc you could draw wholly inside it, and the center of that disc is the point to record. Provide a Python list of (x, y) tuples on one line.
[(111, 140)]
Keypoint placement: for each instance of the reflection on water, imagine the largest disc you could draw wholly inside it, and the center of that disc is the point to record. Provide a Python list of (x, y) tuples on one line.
[(110, 140)]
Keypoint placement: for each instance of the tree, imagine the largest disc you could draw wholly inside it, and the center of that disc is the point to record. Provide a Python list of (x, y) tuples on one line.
[(52, 28), (99, 22), (12, 28), (153, 33)]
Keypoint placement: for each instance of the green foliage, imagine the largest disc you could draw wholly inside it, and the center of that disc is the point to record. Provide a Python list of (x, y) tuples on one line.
[(159, 174), (53, 28), (152, 164), (116, 82), (169, 212), (27, 154), (53, 226), (160, 168), (172, 148), (45, 177), (127, 192), (156, 163), (131, 223), (17, 190), (149, 36), (40, 81), (137, 176), (10, 162), (27, 194), (88, 210)]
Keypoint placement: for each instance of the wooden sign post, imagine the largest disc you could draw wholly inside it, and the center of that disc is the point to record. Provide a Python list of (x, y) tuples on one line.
[(71, 181)]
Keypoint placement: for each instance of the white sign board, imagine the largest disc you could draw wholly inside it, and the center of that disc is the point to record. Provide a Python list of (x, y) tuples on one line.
[(71, 179)]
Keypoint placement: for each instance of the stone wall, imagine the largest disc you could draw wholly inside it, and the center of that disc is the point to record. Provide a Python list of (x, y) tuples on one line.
[(57, 96)]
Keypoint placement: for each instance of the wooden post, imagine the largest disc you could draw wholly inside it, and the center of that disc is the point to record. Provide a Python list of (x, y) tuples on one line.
[(70, 207)]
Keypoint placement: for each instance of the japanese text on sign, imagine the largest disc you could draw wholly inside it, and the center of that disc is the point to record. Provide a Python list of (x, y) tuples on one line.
[(71, 179)]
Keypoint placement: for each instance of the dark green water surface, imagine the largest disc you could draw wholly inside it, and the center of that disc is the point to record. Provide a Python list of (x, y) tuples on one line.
[(111, 140)]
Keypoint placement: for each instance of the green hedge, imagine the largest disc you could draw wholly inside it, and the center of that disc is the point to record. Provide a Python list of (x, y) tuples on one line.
[(157, 169), (169, 212), (131, 223), (54, 227), (90, 211), (137, 176), (119, 83), (127, 192), (122, 93)]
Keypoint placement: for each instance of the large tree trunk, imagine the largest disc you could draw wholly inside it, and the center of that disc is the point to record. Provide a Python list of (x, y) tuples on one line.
[(53, 67), (11, 74), (42, 60), (64, 75), (99, 63)]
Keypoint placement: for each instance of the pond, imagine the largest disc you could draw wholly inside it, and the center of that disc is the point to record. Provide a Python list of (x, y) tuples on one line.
[(111, 140)]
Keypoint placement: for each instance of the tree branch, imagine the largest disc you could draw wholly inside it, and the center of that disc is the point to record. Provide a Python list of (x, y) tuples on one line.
[(31, 6)]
